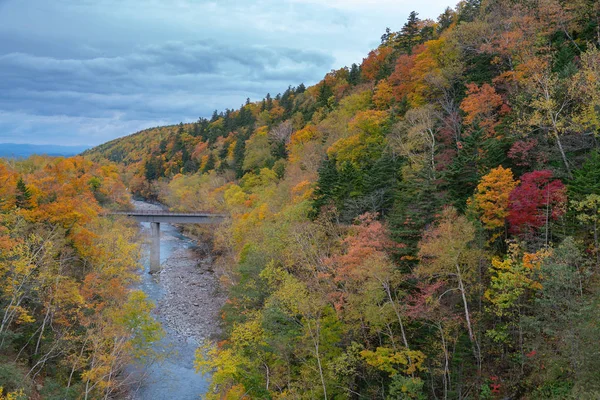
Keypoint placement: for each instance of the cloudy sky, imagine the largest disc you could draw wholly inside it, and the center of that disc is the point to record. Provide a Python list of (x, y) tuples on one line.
[(81, 72)]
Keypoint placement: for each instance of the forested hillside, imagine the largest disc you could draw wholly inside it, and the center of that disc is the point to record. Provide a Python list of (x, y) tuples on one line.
[(69, 322), (422, 225)]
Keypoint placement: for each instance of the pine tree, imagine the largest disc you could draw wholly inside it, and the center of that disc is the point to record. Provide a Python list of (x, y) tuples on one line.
[(381, 183), (410, 33), (445, 19), (325, 93), (151, 169), (412, 212), (238, 154), (23, 197), (210, 164), (354, 76), (326, 185), (586, 180)]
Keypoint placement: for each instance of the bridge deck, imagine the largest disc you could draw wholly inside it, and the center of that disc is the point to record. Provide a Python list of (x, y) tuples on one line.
[(172, 217)]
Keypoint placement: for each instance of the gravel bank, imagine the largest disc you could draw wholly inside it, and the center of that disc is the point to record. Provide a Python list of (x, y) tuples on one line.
[(192, 301)]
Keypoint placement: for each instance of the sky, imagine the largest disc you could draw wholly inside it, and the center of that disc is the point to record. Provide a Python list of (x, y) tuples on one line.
[(82, 72)]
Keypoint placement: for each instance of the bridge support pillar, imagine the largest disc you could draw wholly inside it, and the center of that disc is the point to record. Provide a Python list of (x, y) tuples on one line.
[(155, 247)]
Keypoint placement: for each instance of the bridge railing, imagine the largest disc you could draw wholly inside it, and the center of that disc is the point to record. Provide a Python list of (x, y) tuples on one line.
[(166, 213)]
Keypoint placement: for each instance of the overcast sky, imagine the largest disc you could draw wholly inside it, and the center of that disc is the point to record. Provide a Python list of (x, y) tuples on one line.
[(82, 72)]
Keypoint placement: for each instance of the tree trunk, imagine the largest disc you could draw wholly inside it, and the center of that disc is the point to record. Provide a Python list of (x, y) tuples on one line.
[(563, 155), (446, 362), (461, 288), (37, 346), (318, 356)]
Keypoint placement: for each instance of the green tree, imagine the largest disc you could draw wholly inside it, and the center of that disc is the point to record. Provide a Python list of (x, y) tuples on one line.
[(23, 196)]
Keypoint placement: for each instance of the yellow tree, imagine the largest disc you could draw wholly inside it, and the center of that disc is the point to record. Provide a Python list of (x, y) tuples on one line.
[(491, 199), (446, 251)]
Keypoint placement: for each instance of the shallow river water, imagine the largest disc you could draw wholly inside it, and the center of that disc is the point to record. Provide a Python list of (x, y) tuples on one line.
[(187, 305)]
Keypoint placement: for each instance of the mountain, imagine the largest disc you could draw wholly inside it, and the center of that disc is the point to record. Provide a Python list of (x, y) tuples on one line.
[(19, 150)]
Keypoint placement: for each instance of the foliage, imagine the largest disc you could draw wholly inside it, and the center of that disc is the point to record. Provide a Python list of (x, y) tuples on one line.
[(67, 314), (401, 229)]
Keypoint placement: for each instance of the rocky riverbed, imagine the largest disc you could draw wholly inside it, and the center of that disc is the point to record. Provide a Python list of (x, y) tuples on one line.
[(187, 297), (191, 303)]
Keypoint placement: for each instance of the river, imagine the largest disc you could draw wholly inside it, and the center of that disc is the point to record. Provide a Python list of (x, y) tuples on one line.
[(187, 305)]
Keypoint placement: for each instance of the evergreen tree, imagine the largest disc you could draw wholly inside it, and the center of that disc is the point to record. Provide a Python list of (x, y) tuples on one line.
[(381, 183), (348, 192), (245, 117), (386, 36), (354, 75), (210, 164), (23, 196), (286, 102), (445, 19), (152, 168), (325, 93), (412, 212), (476, 157), (468, 10), (162, 146), (238, 154), (586, 180), (327, 184), (190, 166), (410, 33)]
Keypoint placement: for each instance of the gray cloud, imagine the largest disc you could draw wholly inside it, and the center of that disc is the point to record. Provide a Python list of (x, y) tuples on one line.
[(86, 71), (173, 81)]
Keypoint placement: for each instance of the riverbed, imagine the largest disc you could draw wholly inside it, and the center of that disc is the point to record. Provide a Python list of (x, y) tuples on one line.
[(187, 298)]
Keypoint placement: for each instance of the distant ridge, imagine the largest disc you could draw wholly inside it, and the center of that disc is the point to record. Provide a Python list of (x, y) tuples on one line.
[(15, 150)]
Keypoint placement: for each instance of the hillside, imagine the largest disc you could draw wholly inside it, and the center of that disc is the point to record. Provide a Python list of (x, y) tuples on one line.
[(70, 322), (422, 225)]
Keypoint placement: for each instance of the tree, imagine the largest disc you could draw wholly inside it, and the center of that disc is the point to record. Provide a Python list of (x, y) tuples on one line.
[(210, 163), (23, 195), (374, 66), (410, 33), (416, 139), (446, 251), (536, 202), (482, 107), (562, 326), (354, 75), (257, 153), (512, 283), (589, 214), (552, 97), (491, 199), (446, 19), (586, 180), (383, 95), (587, 89)]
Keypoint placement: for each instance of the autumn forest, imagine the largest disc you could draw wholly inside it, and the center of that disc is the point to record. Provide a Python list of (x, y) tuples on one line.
[(424, 225)]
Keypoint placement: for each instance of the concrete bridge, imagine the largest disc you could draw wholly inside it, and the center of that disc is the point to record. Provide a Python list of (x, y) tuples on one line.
[(156, 217)]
